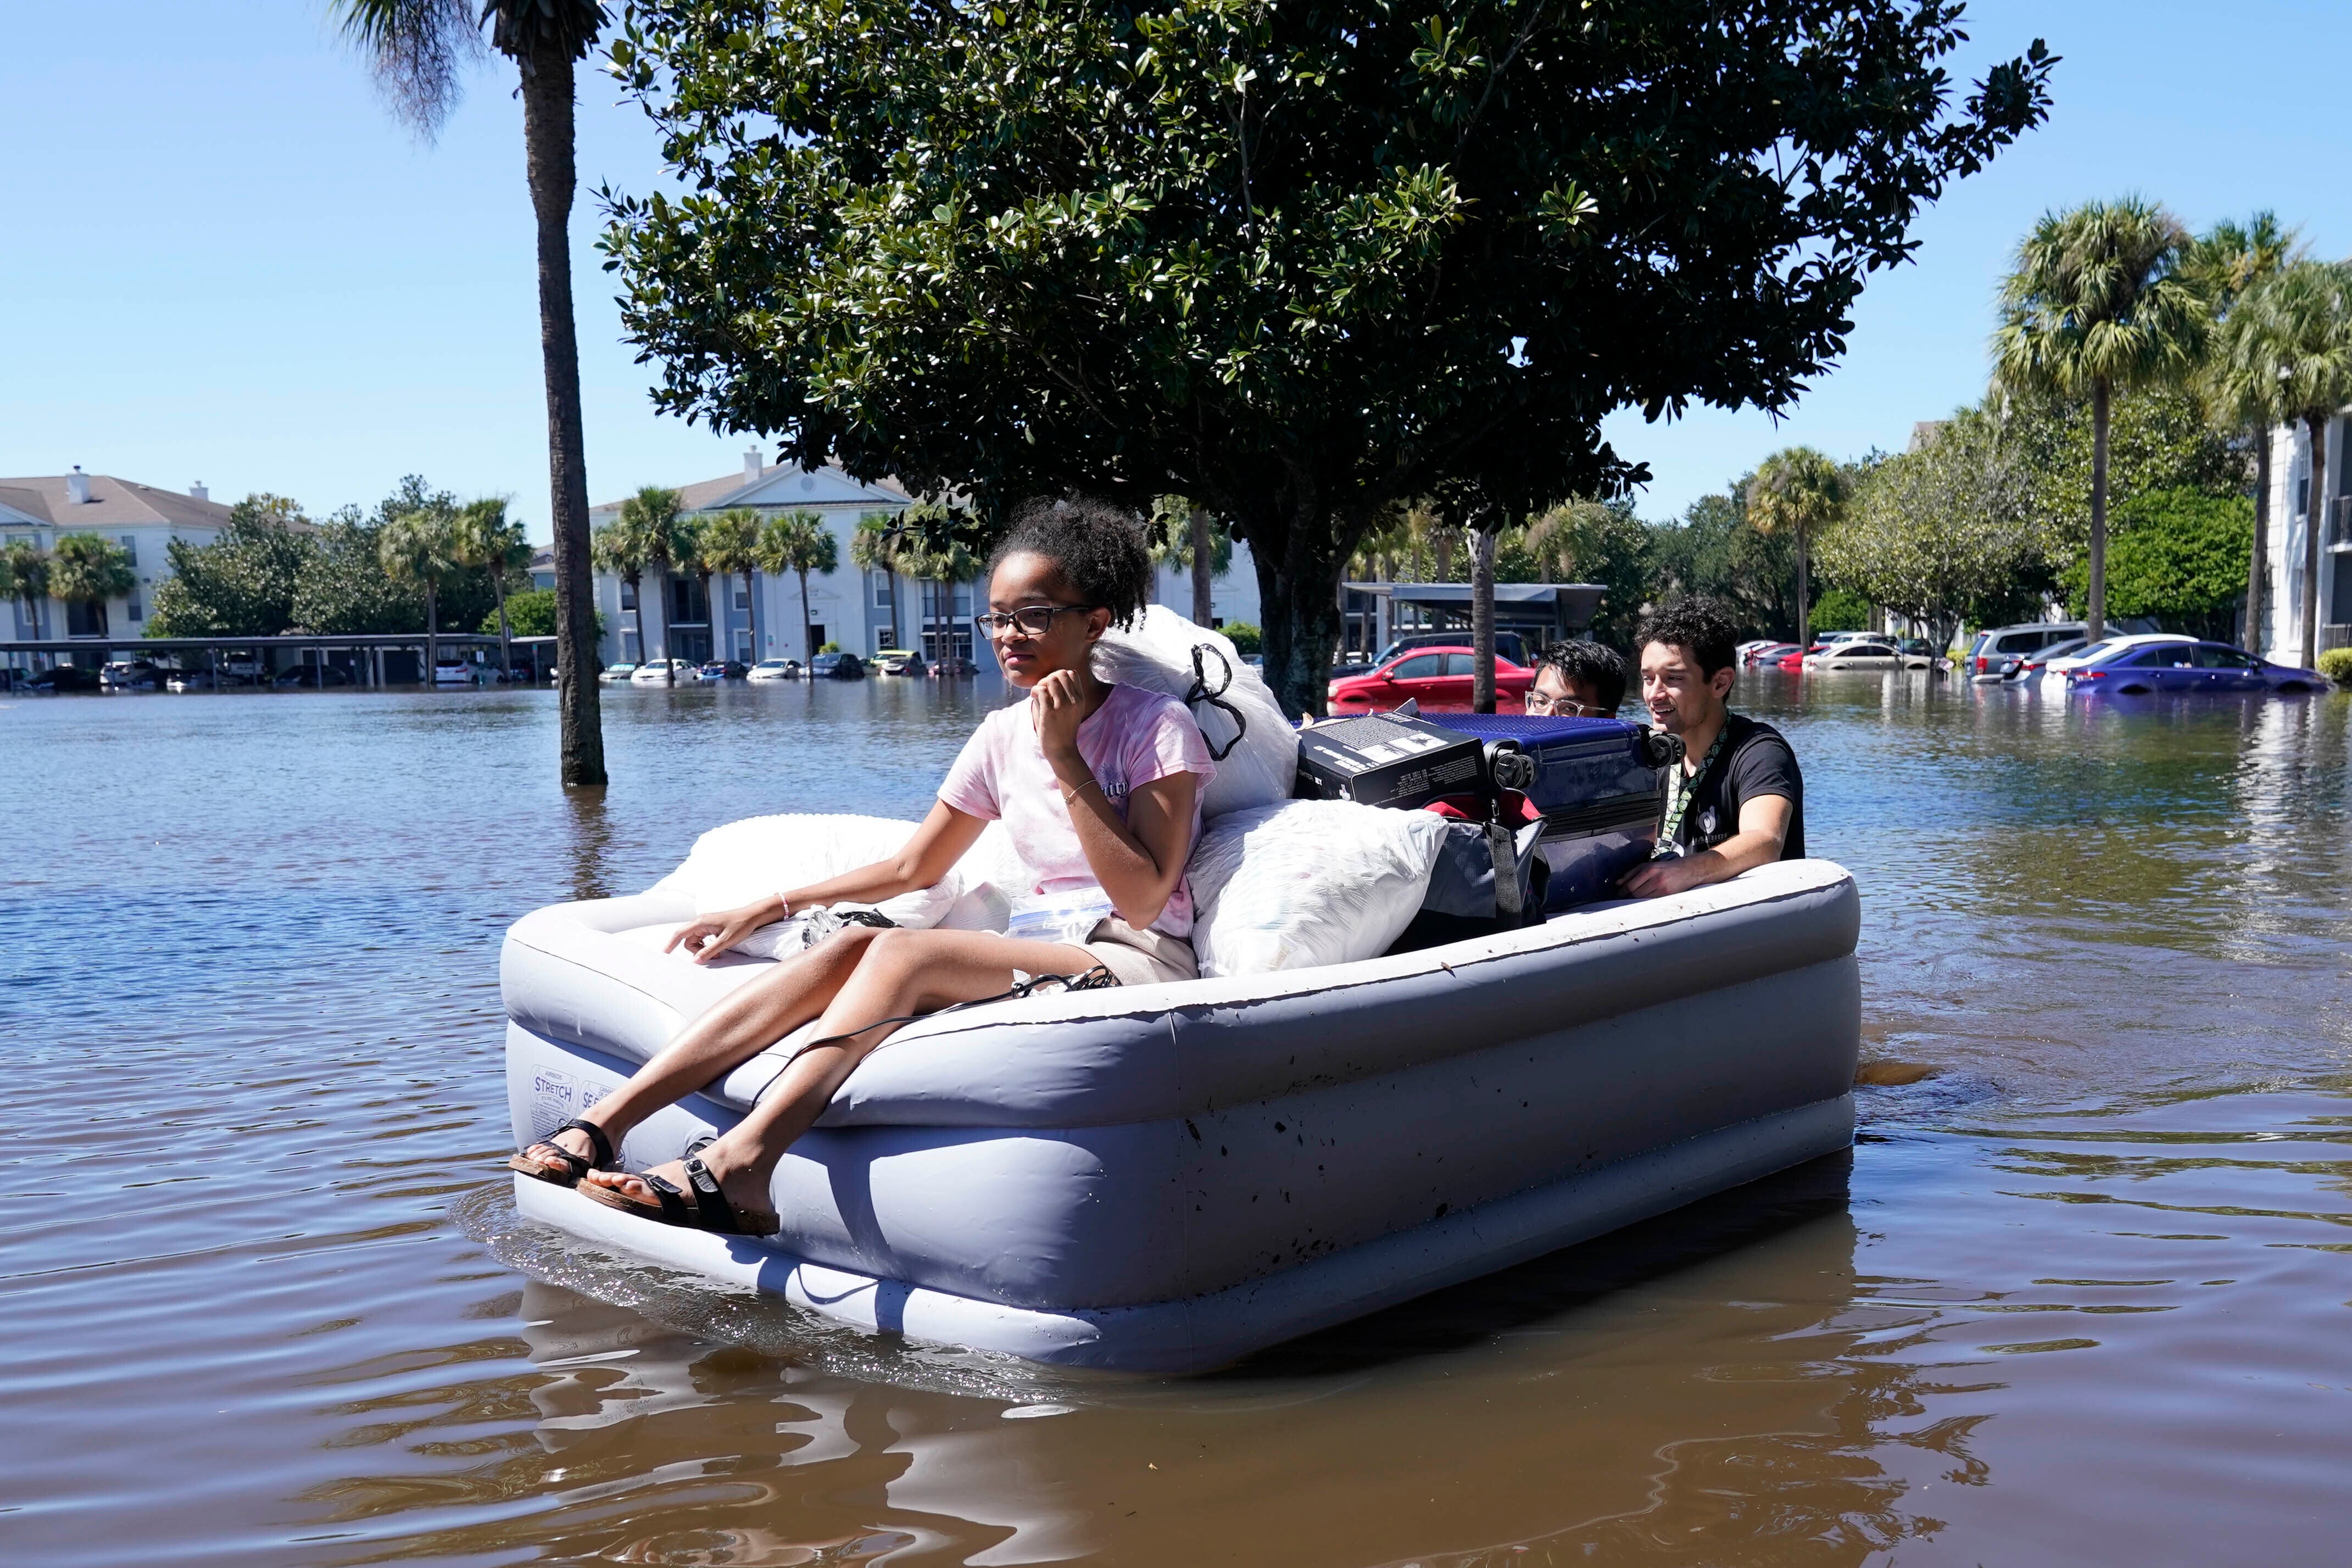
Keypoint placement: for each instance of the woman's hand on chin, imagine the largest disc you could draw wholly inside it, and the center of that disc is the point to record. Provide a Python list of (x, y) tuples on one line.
[(712, 934), (1057, 704)]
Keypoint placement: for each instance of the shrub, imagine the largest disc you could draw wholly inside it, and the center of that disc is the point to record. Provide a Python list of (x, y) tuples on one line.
[(2336, 665), (529, 614), (1246, 638)]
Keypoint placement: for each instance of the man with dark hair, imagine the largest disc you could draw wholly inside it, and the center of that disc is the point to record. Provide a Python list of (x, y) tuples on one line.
[(1738, 799), (1578, 680)]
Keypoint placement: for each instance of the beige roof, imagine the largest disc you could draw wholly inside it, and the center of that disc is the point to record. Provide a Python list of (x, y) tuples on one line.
[(113, 503), (708, 493)]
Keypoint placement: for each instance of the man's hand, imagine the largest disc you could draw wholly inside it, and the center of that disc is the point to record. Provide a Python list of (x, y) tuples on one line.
[(1656, 879), (1057, 704)]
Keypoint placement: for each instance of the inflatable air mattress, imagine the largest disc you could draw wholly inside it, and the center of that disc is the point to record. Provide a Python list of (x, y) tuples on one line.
[(1167, 1178)]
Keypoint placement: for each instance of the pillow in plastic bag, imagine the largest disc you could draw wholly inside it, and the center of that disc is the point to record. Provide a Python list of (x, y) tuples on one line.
[(732, 865), (1307, 883), (1157, 654)]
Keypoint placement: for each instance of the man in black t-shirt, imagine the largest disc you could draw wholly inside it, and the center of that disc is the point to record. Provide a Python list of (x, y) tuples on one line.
[(1738, 800)]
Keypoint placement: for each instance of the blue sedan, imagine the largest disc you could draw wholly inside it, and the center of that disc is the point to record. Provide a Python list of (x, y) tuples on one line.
[(2187, 666)]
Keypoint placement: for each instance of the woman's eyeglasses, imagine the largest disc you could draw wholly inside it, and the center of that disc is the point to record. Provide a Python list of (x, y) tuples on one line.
[(1030, 621), (1540, 705)]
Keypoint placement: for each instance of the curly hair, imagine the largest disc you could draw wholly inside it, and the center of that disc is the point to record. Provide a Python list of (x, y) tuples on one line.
[(1699, 625), (1598, 667), (1096, 549)]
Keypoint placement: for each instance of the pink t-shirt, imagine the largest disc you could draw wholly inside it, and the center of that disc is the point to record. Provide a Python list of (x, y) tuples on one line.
[(1133, 739)]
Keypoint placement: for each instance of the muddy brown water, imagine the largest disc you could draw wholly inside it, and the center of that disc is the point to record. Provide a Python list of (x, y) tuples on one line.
[(2079, 1295)]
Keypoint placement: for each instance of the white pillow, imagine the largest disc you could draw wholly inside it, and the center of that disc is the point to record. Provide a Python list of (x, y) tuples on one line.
[(1307, 883), (1157, 654), (732, 865)]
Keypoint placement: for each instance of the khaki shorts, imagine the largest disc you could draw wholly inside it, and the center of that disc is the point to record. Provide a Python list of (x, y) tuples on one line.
[(1140, 958)]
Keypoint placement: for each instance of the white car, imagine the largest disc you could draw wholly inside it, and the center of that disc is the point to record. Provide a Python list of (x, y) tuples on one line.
[(662, 672), (616, 673), (776, 670), (453, 672), (1864, 653)]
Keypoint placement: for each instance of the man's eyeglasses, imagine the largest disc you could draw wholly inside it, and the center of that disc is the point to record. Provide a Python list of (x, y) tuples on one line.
[(1030, 620), (1540, 704)]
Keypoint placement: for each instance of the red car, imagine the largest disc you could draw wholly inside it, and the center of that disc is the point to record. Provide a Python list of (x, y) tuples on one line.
[(1439, 677)]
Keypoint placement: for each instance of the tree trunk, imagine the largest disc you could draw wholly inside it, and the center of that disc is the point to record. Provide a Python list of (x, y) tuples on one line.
[(661, 621), (710, 620), (547, 136), (2257, 567), (1298, 591), (1203, 562), (808, 628), (506, 633), (1805, 591), (890, 575), (1482, 621), (432, 633), (637, 592), (2307, 601), (2094, 608), (752, 612)]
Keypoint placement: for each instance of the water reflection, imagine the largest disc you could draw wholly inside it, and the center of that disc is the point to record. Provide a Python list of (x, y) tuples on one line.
[(270, 1303)]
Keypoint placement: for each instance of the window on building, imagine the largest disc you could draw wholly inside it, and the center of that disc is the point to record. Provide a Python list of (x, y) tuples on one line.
[(628, 595), (742, 598), (134, 612), (881, 580), (131, 549)]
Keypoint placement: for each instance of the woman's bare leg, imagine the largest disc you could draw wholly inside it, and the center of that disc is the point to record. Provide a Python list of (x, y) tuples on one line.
[(731, 1032), (899, 972)]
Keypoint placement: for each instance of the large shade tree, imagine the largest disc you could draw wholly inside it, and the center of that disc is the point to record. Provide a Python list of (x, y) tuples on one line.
[(2291, 334), (419, 48), (1798, 492), (2095, 303), (1298, 262)]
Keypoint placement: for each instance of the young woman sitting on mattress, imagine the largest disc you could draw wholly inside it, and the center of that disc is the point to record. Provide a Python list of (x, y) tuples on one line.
[(1098, 787)]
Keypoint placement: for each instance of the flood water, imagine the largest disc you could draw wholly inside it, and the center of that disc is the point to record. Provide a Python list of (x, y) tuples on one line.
[(2082, 1295)]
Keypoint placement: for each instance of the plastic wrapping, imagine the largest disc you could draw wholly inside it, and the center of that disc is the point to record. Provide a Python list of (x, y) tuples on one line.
[(1259, 749)]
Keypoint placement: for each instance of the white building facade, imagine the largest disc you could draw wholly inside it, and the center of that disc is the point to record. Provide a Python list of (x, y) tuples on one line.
[(861, 611), (2290, 531), (140, 518)]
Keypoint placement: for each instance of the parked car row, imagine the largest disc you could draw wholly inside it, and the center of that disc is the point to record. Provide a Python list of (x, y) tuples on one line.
[(1438, 678)]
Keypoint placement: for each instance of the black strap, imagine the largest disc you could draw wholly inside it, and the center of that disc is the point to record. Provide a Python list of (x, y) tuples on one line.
[(676, 1210), (1215, 699), (596, 1139), (711, 1210)]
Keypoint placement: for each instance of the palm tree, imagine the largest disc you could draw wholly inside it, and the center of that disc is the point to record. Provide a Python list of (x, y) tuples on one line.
[(653, 515), (418, 548), (2288, 344), (85, 569), (25, 572), (2224, 263), (619, 547), (482, 539), (1188, 536), (418, 47), (2096, 305), (939, 566), (876, 547), (799, 542), (1551, 537), (1797, 492), (729, 543)]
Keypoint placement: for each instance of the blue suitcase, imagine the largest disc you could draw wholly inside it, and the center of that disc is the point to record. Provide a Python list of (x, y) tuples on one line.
[(1601, 786)]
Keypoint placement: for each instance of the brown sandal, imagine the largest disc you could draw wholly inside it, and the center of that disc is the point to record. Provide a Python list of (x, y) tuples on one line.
[(573, 1167), (705, 1208)]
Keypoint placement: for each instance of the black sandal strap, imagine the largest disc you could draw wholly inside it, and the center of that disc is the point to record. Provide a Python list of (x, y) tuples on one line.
[(712, 1212), (676, 1210), (596, 1139)]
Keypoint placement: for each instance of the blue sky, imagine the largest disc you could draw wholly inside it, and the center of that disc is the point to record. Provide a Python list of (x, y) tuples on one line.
[(227, 262)]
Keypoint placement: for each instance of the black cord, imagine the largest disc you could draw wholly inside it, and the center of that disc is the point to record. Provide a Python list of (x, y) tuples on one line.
[(1216, 699)]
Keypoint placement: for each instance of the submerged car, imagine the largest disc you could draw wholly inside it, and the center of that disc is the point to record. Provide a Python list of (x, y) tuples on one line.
[(1863, 654), (1435, 677), (2183, 665), (897, 662), (775, 670), (130, 675), (453, 672), (1507, 646), (837, 667), (1760, 655), (1999, 650), (722, 670), (661, 672), (614, 674)]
